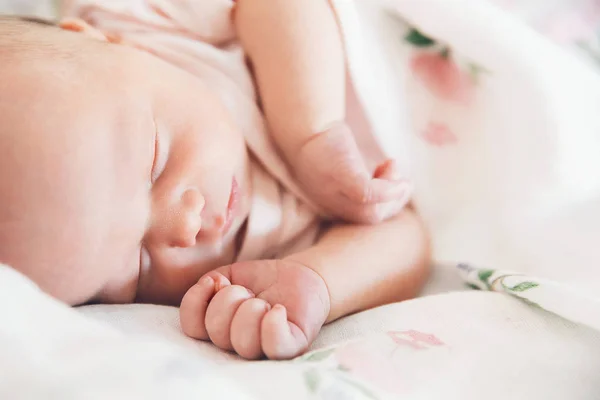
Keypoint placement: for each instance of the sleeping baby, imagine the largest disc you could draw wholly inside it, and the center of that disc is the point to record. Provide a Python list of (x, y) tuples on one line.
[(203, 154)]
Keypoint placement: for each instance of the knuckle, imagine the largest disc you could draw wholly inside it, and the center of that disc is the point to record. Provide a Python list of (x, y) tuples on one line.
[(358, 192), (366, 192)]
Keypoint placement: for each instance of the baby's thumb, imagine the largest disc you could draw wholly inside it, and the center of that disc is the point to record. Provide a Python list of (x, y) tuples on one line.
[(385, 185), (354, 183)]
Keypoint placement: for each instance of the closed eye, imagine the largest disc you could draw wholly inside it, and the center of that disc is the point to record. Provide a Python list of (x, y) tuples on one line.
[(160, 155)]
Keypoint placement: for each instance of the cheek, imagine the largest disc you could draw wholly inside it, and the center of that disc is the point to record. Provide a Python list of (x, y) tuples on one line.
[(130, 211), (221, 151), (134, 217), (126, 231), (237, 148)]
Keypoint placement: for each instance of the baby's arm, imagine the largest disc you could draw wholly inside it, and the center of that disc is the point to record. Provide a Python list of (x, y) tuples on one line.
[(297, 54), (369, 266), (277, 307)]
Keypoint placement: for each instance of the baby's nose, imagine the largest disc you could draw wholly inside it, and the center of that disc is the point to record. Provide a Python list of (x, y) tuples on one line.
[(185, 219), (213, 231)]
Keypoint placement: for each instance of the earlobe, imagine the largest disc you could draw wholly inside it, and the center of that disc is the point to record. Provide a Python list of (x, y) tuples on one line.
[(79, 25)]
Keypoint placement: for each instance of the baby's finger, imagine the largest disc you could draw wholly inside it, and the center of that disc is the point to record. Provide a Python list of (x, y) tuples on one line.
[(383, 191), (195, 302), (371, 213), (281, 339), (220, 312), (245, 328), (354, 185), (385, 185), (386, 211)]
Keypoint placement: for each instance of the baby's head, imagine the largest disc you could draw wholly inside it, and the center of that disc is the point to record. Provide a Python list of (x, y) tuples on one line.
[(108, 156)]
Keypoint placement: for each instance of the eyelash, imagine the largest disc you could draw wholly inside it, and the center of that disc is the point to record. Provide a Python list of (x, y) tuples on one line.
[(153, 174), (158, 164)]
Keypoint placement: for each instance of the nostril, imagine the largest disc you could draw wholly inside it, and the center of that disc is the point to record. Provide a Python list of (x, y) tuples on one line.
[(215, 230), (219, 222)]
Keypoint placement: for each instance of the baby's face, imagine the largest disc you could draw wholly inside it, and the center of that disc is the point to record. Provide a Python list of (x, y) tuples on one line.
[(114, 166)]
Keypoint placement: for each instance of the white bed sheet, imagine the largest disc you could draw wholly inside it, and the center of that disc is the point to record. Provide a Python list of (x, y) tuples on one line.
[(465, 345)]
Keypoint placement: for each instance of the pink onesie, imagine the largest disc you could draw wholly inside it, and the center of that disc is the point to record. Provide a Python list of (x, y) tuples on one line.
[(199, 37)]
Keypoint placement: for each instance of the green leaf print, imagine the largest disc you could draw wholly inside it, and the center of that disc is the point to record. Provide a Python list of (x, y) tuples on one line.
[(417, 39), (485, 274), (476, 71), (344, 369), (312, 380), (523, 286), (592, 52), (360, 388), (317, 356)]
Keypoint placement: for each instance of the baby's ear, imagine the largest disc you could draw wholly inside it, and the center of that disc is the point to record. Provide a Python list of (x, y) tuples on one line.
[(79, 25)]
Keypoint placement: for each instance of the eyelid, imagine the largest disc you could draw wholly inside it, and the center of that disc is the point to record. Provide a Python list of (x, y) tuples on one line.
[(160, 155)]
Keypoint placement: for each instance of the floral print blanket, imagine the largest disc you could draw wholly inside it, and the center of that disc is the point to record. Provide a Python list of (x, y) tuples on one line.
[(504, 100), (541, 176)]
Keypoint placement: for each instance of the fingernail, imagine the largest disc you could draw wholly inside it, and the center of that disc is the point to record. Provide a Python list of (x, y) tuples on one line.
[(267, 307), (278, 307), (207, 281), (223, 282), (250, 292)]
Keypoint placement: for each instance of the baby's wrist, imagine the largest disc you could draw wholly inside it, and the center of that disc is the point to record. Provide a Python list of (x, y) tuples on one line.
[(293, 149), (324, 292)]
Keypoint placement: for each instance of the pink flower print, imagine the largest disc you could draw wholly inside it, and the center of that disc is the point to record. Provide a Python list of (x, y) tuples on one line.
[(442, 77), (373, 366), (439, 134), (415, 339)]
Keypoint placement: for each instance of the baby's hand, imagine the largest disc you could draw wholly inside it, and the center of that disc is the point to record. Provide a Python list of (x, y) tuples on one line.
[(256, 308), (331, 170)]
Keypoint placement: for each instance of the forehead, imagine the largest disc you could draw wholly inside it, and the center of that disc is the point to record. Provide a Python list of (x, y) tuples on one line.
[(66, 125)]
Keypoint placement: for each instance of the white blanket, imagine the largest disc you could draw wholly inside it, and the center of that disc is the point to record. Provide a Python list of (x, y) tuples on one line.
[(504, 152), (505, 135), (468, 345), (50, 351)]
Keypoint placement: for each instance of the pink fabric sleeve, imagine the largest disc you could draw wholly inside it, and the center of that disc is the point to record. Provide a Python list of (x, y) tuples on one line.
[(208, 21)]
